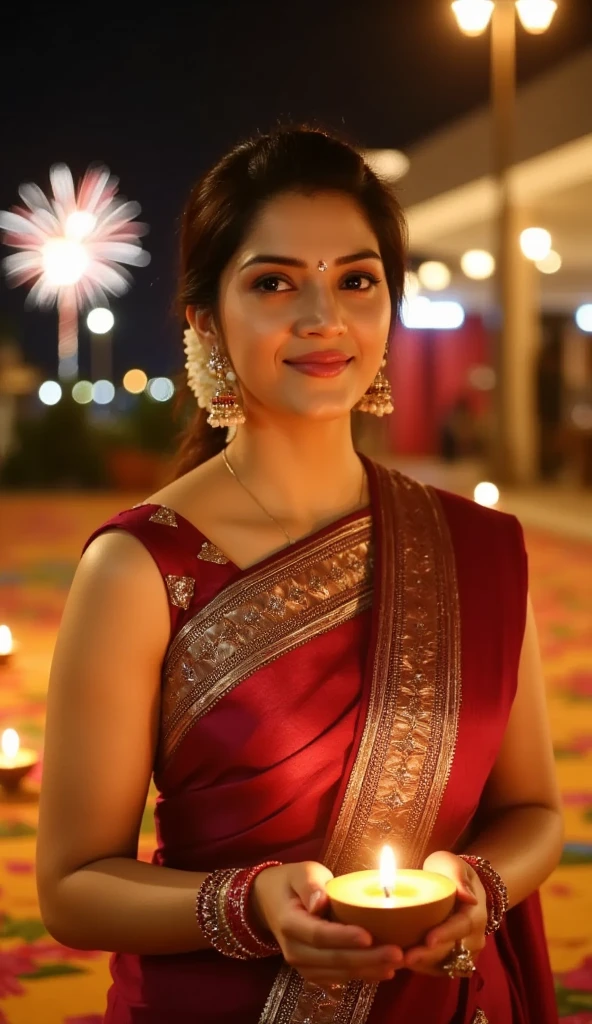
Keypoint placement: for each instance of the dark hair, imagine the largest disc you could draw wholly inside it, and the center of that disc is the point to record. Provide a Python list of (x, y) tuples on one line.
[(224, 203)]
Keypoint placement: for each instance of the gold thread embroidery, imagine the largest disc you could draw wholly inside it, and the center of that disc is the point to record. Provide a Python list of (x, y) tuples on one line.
[(255, 620), (479, 1018), (180, 590), (165, 516), (404, 759), (210, 553)]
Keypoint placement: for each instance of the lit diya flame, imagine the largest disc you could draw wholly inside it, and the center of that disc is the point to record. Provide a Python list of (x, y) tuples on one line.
[(387, 871), (10, 744)]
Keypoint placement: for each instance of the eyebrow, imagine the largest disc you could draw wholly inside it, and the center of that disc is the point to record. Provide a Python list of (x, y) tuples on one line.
[(289, 261)]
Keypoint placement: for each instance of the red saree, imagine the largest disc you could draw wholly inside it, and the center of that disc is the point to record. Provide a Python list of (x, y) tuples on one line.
[(351, 689)]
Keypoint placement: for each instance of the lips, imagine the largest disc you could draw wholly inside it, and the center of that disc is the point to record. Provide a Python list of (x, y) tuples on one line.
[(329, 355), (329, 363)]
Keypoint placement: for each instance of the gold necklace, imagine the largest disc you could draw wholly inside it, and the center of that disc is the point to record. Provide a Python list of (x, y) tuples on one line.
[(291, 540)]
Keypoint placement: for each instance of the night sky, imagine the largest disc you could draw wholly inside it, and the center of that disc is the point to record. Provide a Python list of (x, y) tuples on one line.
[(159, 96)]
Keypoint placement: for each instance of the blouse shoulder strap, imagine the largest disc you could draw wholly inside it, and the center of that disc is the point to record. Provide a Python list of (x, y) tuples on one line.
[(157, 528)]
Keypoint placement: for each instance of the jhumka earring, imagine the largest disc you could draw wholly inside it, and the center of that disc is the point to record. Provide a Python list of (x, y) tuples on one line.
[(225, 408), (378, 399)]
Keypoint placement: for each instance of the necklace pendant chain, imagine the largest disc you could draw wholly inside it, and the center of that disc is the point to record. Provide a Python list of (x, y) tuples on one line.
[(291, 540)]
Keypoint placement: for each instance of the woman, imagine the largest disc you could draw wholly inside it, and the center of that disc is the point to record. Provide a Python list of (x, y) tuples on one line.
[(312, 654)]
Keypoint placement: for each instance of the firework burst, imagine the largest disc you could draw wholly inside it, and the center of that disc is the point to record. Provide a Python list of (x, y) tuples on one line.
[(71, 247)]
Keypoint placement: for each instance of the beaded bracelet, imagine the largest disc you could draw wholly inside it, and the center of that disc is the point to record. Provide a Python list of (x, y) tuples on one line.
[(221, 909), (495, 889)]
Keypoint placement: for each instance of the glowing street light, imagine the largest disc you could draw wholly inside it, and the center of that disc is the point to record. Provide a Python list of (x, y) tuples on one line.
[(512, 460), (536, 15), (473, 16)]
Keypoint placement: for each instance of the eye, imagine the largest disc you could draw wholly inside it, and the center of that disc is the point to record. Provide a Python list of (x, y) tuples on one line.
[(352, 282), (269, 284)]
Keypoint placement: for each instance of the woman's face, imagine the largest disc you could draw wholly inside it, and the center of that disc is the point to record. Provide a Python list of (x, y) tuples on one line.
[(305, 341)]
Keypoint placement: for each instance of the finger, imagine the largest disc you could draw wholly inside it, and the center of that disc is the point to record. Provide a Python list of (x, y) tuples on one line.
[(326, 977), (454, 929), (313, 931), (379, 959), (309, 885)]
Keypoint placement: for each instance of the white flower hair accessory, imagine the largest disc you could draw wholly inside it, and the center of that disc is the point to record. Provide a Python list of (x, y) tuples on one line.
[(201, 376)]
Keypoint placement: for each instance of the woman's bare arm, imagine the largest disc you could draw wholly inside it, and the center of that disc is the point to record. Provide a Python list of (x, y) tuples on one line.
[(522, 827), (102, 724)]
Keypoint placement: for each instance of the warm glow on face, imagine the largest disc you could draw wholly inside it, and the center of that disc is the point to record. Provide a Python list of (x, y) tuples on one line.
[(5, 640), (10, 743), (473, 16), (388, 870)]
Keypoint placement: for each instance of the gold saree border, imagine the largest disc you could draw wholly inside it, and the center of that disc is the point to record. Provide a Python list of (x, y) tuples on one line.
[(258, 618), (406, 752)]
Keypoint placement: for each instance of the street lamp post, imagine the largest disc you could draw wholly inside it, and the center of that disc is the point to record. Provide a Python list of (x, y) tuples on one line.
[(100, 323), (473, 17)]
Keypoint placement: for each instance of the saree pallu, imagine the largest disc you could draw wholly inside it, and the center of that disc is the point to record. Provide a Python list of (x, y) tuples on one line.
[(348, 691)]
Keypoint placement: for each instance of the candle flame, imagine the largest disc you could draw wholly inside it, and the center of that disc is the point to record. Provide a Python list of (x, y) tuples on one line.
[(10, 743), (5, 640), (387, 870)]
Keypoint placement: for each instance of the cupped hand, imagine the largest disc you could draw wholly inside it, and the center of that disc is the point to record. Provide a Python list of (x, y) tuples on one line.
[(290, 901), (466, 924)]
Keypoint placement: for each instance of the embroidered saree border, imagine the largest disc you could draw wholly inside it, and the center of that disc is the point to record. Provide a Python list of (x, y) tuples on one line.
[(257, 619), (406, 751)]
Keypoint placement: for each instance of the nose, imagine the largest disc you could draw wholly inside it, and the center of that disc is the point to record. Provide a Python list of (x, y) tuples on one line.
[(320, 316)]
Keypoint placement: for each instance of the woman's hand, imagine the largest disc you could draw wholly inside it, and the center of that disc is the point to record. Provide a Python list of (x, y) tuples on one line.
[(467, 923), (289, 901)]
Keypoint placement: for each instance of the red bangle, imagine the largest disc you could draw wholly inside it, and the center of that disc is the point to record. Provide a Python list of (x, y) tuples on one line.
[(495, 890), (222, 913)]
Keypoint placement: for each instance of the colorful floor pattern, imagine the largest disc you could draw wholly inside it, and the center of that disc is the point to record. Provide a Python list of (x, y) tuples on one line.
[(41, 982)]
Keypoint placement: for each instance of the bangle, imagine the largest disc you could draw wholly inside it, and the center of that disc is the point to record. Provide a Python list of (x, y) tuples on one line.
[(222, 913), (495, 890)]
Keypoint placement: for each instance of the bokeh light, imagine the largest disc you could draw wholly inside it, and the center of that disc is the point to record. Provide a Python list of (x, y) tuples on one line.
[(434, 276), (135, 381), (478, 264), (100, 320), (425, 314), (161, 389), (50, 392), (82, 392), (584, 317), (103, 392), (535, 243), (487, 494), (550, 264)]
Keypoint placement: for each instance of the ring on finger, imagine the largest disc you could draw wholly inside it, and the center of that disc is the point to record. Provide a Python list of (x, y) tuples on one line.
[(460, 963)]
